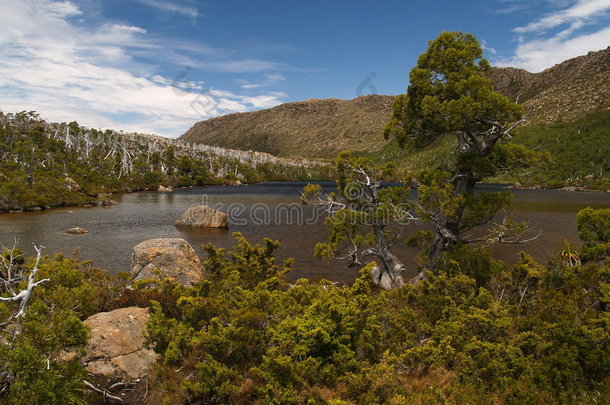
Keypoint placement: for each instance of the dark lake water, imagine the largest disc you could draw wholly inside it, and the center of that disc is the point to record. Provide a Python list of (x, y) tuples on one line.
[(260, 210)]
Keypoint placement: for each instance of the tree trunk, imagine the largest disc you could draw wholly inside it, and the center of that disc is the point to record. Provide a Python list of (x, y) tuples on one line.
[(448, 230), (389, 274)]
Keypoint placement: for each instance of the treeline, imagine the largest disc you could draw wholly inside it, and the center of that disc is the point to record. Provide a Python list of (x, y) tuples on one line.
[(46, 164), (475, 331)]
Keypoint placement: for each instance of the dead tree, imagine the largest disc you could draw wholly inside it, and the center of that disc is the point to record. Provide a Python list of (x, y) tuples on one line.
[(12, 276)]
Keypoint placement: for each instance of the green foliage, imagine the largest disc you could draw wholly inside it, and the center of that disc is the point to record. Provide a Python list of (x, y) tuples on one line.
[(40, 351), (477, 332), (448, 92), (594, 229), (577, 154), (476, 263), (33, 370)]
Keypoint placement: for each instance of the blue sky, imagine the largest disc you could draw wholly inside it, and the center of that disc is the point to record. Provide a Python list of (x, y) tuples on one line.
[(159, 66)]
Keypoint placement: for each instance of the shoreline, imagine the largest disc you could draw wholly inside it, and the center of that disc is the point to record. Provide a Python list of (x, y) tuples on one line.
[(230, 183)]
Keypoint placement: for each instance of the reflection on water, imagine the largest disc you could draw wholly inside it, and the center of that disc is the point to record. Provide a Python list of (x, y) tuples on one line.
[(113, 231)]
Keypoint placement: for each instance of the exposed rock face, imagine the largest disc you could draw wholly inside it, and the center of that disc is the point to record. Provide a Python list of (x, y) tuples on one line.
[(165, 189), (116, 347), (562, 93), (77, 231), (203, 216), (173, 257)]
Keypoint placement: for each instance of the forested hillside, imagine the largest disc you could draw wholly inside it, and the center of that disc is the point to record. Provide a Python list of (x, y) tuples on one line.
[(46, 164)]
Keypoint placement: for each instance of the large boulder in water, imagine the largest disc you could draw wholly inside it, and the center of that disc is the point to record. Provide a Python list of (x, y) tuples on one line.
[(199, 215), (170, 258), (116, 349)]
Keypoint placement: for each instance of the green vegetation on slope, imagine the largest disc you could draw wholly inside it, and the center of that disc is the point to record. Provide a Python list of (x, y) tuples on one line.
[(580, 153), (574, 93)]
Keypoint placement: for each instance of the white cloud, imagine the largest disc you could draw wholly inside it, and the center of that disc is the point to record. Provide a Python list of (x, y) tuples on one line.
[(577, 14), (67, 72), (537, 55), (578, 28)]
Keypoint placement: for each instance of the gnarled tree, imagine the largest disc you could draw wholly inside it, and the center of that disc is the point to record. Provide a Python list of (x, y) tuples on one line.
[(364, 218), (449, 94)]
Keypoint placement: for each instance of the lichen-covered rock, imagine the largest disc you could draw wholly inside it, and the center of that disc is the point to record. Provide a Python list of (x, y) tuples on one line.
[(170, 258), (199, 215), (117, 344), (71, 185)]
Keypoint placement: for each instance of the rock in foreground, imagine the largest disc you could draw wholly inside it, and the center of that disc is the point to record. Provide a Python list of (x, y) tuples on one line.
[(173, 257), (116, 348), (203, 216)]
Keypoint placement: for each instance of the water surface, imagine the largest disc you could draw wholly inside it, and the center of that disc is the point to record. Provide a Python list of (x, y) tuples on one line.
[(260, 210)]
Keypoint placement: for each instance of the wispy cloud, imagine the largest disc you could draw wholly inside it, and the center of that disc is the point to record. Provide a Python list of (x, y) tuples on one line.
[(70, 71), (172, 7), (511, 6), (487, 48), (576, 28), (270, 80)]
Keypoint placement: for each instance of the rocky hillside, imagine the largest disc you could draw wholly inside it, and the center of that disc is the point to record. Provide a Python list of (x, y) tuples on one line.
[(322, 128), (319, 128), (563, 93)]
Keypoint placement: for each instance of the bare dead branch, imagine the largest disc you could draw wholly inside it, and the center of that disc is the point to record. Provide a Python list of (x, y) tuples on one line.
[(102, 392)]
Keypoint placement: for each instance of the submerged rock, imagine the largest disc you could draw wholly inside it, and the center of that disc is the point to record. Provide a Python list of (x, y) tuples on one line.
[(77, 231), (199, 215), (107, 203), (117, 344), (170, 258)]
